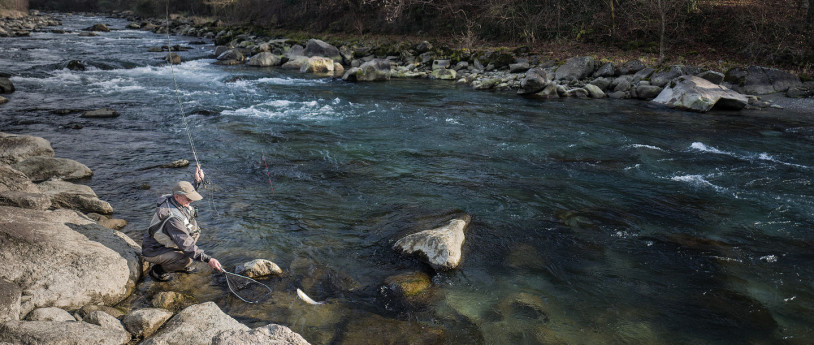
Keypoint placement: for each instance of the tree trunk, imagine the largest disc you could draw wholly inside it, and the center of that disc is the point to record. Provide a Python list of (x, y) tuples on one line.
[(661, 35), (810, 17)]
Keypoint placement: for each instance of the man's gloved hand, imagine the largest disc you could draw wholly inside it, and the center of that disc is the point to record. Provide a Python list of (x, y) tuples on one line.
[(215, 264)]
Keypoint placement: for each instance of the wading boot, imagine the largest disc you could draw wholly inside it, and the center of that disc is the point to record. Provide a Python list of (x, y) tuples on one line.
[(189, 270), (158, 274)]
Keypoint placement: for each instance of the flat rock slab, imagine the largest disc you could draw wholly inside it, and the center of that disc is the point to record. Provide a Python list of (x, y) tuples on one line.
[(43, 168), (269, 334), (17, 148), (81, 262), (74, 196), (698, 94), (60, 333)]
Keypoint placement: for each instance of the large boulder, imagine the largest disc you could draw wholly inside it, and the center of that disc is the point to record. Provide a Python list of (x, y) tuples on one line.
[(195, 325), (441, 247), (144, 322), (713, 76), (49, 314), (258, 268), (631, 67), (315, 47), (60, 333), (271, 334), (295, 63), (648, 92), (10, 297), (576, 68), (373, 70), (265, 59), (74, 196), (698, 94), (607, 70), (318, 65), (6, 86), (444, 74), (756, 80), (44, 168), (17, 148), (661, 78), (534, 81), (80, 262)]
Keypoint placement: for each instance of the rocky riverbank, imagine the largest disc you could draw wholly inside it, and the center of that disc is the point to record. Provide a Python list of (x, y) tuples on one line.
[(68, 269), (518, 70)]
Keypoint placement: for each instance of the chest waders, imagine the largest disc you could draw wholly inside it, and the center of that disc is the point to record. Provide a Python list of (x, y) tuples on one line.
[(160, 235)]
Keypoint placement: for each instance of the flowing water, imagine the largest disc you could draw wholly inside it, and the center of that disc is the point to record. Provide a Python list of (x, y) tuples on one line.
[(602, 221)]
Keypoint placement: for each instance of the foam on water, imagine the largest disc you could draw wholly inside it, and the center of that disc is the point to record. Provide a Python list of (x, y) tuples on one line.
[(697, 181), (643, 146)]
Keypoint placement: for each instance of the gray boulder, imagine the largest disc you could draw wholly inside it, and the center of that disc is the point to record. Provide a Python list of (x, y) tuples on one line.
[(648, 92), (534, 82), (757, 80), (17, 148), (258, 268), (576, 68), (98, 27), (104, 320), (698, 94), (661, 78), (578, 93), (231, 57), (441, 247), (271, 334), (548, 92), (44, 168), (6, 86), (712, 76), (10, 297), (623, 84), (294, 52), (60, 333), (144, 322), (607, 70), (374, 70), (74, 196), (195, 325), (642, 74), (265, 59), (519, 67), (104, 113), (81, 262), (602, 83), (49, 314), (315, 47), (440, 64), (631, 67)]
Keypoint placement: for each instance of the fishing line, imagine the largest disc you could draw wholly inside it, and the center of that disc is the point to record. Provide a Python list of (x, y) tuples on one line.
[(252, 281)]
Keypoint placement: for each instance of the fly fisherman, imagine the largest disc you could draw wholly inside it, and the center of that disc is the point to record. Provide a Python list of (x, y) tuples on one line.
[(170, 240)]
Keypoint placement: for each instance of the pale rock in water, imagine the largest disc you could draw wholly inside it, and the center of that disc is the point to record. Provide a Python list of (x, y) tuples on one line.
[(258, 268), (441, 247), (268, 334), (318, 65), (698, 94)]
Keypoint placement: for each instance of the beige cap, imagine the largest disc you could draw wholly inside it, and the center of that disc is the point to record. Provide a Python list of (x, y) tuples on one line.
[(185, 188)]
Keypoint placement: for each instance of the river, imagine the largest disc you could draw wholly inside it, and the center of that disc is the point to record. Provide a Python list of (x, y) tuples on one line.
[(593, 221)]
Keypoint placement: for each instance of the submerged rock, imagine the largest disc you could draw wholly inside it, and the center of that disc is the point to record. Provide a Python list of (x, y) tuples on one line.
[(441, 247), (6, 86), (103, 113), (258, 268), (698, 94)]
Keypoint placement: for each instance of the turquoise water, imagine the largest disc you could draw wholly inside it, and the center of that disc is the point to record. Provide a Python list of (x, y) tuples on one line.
[(593, 221)]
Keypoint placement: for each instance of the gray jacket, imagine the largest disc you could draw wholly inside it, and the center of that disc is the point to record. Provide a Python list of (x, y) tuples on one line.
[(178, 233)]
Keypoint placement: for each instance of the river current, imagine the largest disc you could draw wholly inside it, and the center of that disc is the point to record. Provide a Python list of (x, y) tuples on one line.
[(593, 221)]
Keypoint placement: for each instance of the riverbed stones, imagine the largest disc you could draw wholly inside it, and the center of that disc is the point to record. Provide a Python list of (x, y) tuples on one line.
[(440, 247), (295, 63), (55, 332), (231, 57), (98, 27), (631, 67), (318, 65), (83, 262), (756, 80), (594, 91), (697, 94), (144, 322), (172, 300), (265, 59), (17, 148), (258, 268), (647, 92), (6, 86), (49, 314), (374, 70), (535, 80), (444, 74), (606, 70), (576, 68), (268, 334), (102, 113), (195, 325)]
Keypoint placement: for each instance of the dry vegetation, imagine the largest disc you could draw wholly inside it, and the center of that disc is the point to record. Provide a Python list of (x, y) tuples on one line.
[(706, 32)]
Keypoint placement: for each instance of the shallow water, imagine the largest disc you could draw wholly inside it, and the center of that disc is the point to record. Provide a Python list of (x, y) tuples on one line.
[(592, 221)]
